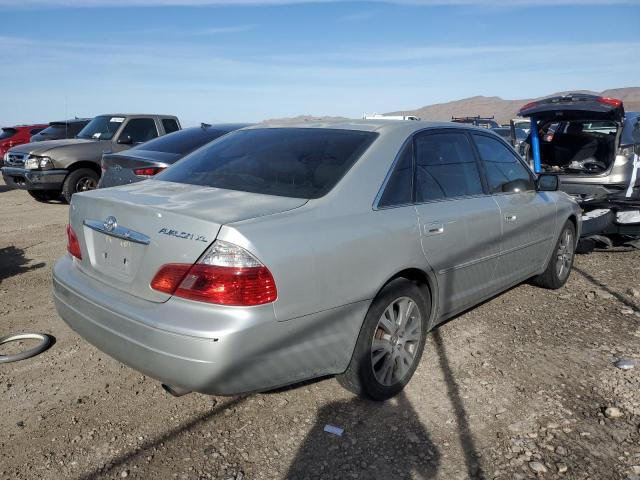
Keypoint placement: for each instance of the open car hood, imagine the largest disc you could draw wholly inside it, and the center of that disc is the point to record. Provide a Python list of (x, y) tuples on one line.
[(575, 106)]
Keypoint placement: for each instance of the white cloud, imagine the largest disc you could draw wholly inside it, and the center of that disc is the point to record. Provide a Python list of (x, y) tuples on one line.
[(161, 3)]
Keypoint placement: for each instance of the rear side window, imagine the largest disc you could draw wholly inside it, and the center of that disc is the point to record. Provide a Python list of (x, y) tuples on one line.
[(183, 141), (35, 131), (170, 125), (400, 185), (505, 172), (140, 130), (7, 133), (288, 162), (445, 167)]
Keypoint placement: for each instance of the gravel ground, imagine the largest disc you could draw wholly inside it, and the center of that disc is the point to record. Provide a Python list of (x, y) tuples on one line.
[(521, 387)]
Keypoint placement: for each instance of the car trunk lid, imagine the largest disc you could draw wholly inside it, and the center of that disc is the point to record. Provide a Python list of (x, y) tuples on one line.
[(574, 106), (127, 233), (122, 169)]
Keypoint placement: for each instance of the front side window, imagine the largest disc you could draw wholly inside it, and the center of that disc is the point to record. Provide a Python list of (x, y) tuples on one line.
[(140, 130), (288, 162), (505, 173), (398, 190), (103, 127), (445, 167)]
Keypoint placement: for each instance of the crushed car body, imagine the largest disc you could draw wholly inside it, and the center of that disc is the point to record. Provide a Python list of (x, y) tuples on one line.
[(594, 147)]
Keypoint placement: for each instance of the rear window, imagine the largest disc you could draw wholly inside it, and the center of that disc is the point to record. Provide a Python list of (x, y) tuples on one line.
[(54, 129), (183, 141), (288, 162), (63, 130), (7, 133)]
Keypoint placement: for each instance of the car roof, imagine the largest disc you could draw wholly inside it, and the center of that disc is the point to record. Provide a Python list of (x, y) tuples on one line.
[(377, 125), (135, 115), (28, 125), (226, 127), (71, 120)]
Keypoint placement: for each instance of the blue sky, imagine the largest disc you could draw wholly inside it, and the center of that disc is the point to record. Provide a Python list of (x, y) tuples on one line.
[(247, 60)]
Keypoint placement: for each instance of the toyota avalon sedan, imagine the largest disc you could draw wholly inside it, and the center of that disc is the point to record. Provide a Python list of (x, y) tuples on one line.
[(279, 254)]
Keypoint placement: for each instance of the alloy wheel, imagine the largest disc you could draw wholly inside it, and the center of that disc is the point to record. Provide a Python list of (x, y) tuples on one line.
[(396, 341), (85, 184), (565, 254)]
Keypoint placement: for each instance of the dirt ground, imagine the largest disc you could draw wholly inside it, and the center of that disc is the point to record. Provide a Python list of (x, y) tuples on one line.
[(517, 386)]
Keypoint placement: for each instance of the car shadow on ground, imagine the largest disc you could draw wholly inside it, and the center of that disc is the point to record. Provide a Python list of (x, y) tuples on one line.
[(380, 441), (597, 283), (13, 261), (383, 440), (114, 464)]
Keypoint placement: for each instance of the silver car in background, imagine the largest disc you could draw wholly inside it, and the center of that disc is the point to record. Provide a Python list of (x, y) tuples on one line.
[(276, 255)]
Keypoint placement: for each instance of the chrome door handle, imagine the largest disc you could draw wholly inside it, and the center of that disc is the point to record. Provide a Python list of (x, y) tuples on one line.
[(435, 228), (510, 218)]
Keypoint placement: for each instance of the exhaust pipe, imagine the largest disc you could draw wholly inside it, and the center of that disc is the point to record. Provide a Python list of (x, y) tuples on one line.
[(175, 391)]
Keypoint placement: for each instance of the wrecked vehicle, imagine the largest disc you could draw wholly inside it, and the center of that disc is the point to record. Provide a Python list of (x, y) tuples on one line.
[(278, 254), (593, 145)]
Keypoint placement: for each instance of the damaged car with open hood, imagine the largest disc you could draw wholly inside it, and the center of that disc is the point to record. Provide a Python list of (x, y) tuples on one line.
[(594, 146)]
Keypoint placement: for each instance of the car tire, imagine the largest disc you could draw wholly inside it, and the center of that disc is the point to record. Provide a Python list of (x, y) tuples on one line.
[(389, 348), (44, 195), (559, 267), (80, 180)]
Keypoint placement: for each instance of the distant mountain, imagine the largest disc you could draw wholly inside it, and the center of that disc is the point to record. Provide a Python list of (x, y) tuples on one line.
[(504, 110), (301, 119)]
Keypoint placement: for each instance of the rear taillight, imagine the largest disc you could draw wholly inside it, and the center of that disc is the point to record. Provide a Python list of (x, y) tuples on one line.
[(614, 102), (528, 106), (73, 246), (148, 172), (226, 275)]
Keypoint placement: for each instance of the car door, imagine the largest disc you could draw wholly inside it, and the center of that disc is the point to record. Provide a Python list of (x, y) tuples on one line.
[(459, 221), (137, 131), (527, 217)]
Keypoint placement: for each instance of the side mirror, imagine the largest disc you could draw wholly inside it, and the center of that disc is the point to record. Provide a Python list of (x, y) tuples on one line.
[(547, 183), (125, 140)]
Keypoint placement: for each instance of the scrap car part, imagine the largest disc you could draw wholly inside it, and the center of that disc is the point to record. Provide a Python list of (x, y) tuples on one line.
[(45, 343)]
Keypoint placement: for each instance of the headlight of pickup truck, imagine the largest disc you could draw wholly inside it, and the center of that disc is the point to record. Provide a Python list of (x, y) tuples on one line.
[(38, 163)]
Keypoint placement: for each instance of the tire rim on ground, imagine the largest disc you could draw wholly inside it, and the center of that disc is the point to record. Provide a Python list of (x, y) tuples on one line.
[(45, 342), (396, 341)]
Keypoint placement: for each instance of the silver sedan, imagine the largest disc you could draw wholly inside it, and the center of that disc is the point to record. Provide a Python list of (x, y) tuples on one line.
[(279, 254)]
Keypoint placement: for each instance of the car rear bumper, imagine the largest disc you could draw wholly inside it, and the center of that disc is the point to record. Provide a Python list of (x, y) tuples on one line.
[(25, 179), (201, 347)]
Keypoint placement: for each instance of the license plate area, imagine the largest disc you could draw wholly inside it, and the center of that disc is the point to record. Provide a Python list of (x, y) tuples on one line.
[(112, 256)]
